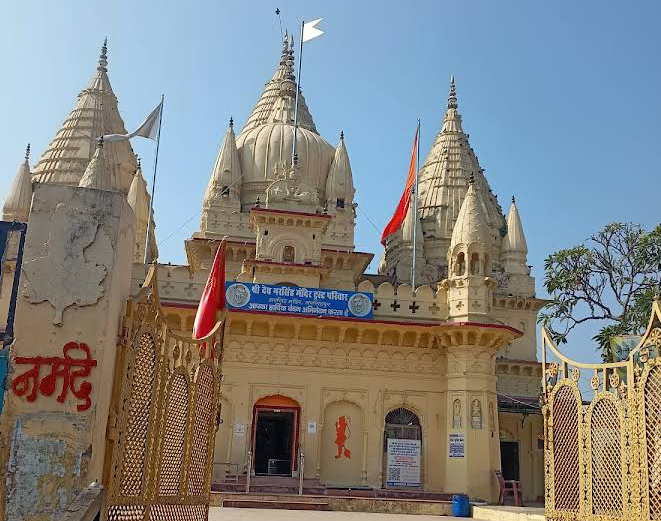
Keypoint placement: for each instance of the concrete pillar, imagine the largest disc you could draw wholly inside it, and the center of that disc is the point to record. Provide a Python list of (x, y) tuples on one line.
[(76, 275)]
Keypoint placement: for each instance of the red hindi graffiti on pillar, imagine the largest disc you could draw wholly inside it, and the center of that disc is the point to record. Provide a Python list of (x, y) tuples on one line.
[(68, 368)]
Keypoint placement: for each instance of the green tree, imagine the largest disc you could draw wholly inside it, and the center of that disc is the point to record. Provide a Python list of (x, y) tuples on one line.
[(609, 280)]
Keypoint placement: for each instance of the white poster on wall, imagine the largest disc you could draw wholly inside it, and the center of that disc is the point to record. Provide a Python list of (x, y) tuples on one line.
[(403, 463), (312, 427), (239, 430), (456, 446)]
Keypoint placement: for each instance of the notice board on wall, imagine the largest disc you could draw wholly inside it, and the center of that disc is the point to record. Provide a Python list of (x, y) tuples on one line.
[(403, 463)]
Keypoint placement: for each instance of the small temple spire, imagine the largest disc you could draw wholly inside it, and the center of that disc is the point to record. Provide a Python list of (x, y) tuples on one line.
[(471, 225), (96, 174), (515, 240), (224, 185), (19, 199), (452, 96), (339, 183)]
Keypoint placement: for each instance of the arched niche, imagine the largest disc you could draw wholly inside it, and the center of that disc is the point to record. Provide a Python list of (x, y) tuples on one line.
[(342, 444)]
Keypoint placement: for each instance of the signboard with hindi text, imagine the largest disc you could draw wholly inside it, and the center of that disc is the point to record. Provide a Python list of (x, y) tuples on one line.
[(247, 296), (403, 463)]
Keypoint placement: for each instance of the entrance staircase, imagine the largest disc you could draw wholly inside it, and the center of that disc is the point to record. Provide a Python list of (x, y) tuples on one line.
[(282, 493)]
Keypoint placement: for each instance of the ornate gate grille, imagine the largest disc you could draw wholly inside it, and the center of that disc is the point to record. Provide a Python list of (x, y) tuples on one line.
[(603, 456), (163, 419)]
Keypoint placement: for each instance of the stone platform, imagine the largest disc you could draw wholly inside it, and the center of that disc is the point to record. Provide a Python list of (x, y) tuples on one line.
[(508, 513), (249, 514), (335, 503)]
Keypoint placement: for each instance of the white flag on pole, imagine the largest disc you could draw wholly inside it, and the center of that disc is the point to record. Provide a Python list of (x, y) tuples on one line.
[(148, 129), (310, 31)]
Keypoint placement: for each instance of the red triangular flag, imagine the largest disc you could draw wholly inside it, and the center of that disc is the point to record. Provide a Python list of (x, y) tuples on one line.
[(403, 206), (213, 297)]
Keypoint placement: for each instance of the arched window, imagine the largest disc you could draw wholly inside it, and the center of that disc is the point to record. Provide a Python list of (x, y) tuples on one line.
[(402, 416), (288, 254), (460, 264), (475, 264)]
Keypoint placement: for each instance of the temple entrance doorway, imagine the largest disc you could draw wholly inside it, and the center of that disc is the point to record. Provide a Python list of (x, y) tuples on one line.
[(509, 460), (275, 436), (402, 449)]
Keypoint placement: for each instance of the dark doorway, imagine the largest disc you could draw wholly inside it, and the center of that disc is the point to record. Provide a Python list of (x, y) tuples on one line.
[(274, 440), (509, 459)]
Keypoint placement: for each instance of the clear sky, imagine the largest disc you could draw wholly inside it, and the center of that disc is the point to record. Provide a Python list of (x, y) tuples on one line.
[(561, 99)]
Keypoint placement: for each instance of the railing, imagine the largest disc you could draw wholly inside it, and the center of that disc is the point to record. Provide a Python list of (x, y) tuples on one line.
[(301, 470), (225, 472), (248, 471)]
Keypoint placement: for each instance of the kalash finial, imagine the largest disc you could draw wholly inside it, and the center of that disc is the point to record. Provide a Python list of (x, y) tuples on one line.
[(27, 152), (103, 59), (513, 200), (452, 96), (341, 135), (231, 122), (471, 179)]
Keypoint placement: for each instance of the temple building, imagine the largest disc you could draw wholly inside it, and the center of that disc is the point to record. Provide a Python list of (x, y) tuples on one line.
[(445, 373)]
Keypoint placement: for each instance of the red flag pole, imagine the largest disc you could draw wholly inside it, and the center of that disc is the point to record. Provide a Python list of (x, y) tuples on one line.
[(400, 212), (414, 194)]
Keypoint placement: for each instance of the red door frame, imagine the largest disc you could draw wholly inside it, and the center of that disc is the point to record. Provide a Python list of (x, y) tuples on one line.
[(273, 408)]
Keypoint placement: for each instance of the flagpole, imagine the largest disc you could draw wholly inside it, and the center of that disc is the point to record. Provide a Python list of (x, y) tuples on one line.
[(153, 182), (414, 194), (298, 89)]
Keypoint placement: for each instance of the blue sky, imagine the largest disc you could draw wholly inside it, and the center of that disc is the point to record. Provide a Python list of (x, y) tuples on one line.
[(561, 99)]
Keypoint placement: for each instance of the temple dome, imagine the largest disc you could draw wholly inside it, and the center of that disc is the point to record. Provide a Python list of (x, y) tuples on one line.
[(262, 148)]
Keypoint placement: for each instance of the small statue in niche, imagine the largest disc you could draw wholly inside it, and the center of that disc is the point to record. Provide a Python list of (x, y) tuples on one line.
[(476, 414), (492, 421), (456, 414)]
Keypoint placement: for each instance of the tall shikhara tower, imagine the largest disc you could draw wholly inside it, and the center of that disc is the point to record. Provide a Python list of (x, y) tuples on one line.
[(445, 177)]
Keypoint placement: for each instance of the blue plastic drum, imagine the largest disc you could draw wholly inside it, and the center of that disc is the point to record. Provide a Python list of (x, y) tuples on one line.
[(460, 505)]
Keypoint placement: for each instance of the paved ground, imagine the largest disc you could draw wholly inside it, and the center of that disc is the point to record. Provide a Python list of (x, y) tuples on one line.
[(254, 514)]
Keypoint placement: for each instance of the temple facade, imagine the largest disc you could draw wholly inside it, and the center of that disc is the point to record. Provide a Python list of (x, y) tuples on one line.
[(444, 375)]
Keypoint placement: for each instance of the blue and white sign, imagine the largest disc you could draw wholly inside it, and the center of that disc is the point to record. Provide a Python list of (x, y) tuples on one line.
[(247, 296)]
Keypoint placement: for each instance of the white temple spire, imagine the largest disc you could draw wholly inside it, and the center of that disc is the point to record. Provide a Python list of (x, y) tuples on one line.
[(225, 178), (276, 102), (94, 114), (96, 174), (515, 240), (471, 226), (339, 184), (18, 201)]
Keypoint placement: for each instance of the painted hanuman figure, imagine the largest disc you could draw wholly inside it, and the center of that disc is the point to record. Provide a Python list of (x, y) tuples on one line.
[(342, 434)]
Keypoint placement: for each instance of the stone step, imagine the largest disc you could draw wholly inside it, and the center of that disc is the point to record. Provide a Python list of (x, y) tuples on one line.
[(276, 504)]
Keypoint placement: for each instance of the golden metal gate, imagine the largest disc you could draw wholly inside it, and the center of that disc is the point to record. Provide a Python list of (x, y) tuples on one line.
[(603, 455), (163, 419)]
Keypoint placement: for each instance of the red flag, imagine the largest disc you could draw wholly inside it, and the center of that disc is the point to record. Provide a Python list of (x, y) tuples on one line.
[(403, 206), (213, 297)]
